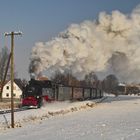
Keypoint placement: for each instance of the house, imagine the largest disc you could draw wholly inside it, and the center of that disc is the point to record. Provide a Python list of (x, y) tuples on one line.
[(17, 89)]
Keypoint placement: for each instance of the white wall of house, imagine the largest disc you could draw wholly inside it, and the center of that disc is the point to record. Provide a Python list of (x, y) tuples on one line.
[(7, 90)]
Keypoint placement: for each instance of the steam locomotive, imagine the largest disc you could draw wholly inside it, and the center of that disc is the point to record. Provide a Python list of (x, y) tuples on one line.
[(38, 91)]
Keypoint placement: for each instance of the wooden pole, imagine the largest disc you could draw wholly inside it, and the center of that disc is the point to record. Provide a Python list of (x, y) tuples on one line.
[(12, 79), (12, 34)]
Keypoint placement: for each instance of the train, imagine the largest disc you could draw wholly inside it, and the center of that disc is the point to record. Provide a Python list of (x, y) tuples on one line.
[(36, 92), (127, 89)]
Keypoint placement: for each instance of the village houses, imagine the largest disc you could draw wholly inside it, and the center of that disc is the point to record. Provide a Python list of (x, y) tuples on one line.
[(17, 89)]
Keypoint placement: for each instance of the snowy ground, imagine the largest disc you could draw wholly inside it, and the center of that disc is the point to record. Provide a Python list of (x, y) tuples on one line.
[(116, 118)]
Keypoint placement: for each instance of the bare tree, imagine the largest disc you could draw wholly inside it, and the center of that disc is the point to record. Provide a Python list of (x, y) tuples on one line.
[(4, 54), (24, 82), (4, 67), (109, 83), (91, 79), (65, 79)]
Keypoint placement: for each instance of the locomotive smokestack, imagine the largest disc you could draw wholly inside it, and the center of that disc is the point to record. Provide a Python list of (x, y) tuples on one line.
[(34, 70), (32, 76)]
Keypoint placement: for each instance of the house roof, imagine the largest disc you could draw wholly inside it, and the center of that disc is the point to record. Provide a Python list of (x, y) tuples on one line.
[(17, 81)]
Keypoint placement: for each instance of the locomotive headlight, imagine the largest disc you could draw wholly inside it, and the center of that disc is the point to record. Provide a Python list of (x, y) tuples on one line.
[(37, 97)]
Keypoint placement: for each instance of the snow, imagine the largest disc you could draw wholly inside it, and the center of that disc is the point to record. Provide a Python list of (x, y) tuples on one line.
[(115, 118), (121, 84)]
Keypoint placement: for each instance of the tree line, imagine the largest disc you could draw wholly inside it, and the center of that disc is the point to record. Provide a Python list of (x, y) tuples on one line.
[(91, 80), (4, 56)]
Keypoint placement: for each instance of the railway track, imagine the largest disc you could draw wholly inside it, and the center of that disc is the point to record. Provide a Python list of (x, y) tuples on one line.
[(15, 110), (25, 108)]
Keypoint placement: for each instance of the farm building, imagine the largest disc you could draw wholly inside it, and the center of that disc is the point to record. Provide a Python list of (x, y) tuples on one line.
[(17, 89)]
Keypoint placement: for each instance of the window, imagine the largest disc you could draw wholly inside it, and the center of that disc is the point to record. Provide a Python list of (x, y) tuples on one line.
[(7, 94), (7, 87), (14, 94)]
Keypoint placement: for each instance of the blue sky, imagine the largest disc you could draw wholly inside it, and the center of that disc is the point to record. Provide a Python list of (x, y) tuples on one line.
[(41, 20)]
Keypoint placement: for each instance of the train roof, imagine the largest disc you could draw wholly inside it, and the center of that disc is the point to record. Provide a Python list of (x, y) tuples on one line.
[(42, 83)]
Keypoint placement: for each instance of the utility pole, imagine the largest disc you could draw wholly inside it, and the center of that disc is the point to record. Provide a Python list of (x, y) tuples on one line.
[(12, 34)]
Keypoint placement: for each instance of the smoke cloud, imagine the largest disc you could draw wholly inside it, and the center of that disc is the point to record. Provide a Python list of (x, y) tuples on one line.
[(109, 45)]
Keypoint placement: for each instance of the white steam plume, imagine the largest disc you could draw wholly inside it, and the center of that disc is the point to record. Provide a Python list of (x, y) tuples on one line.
[(109, 45)]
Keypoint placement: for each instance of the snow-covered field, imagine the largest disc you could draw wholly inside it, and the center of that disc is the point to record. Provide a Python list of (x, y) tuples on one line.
[(116, 118), (47, 111)]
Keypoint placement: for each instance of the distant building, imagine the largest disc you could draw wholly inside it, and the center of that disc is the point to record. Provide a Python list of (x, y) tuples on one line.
[(17, 89)]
